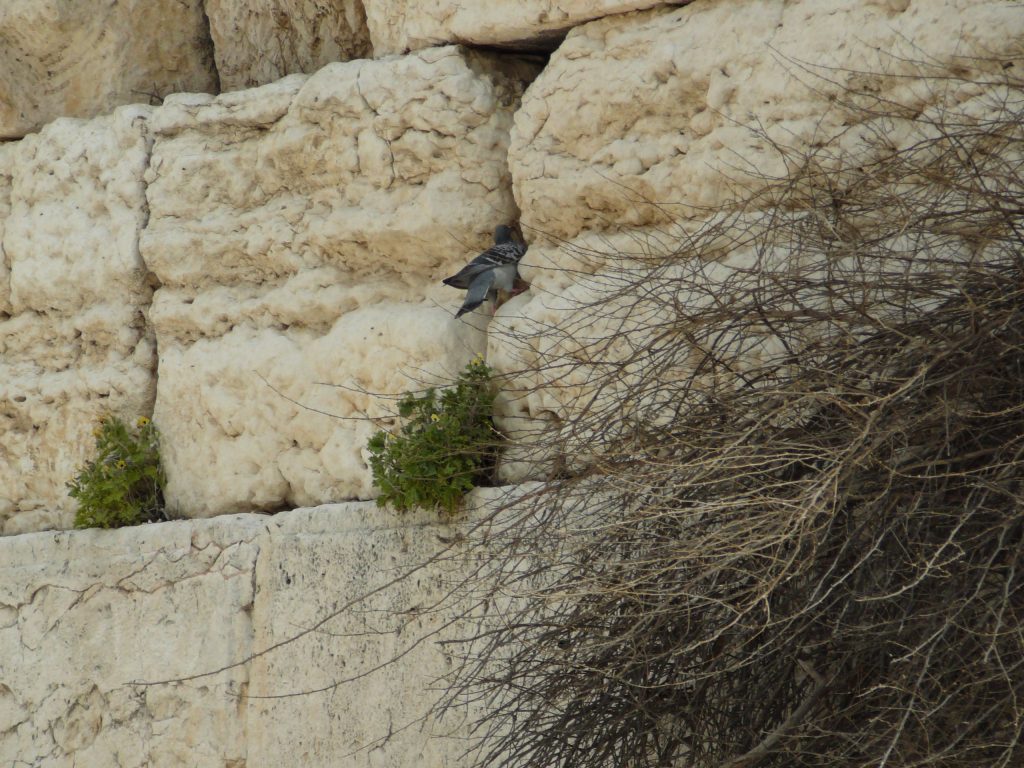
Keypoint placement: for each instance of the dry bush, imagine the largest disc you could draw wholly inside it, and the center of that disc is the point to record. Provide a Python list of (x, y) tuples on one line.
[(797, 536)]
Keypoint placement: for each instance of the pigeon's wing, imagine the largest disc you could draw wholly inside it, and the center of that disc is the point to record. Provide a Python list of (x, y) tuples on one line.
[(501, 253), (465, 276), (497, 255), (477, 293)]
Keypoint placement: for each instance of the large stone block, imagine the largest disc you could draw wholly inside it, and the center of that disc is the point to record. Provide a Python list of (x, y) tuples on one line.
[(300, 232), (84, 615), (73, 340), (80, 59), (308, 639), (397, 26), (368, 675), (662, 115), (259, 41)]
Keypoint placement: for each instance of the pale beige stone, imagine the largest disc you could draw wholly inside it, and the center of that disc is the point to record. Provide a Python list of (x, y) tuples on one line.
[(73, 343), (79, 58), (265, 417), (77, 207), (375, 666), (300, 232), (259, 41), (86, 617), (658, 116), (397, 26), (6, 179)]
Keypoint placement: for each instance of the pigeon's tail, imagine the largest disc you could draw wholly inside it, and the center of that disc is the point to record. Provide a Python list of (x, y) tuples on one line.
[(479, 291)]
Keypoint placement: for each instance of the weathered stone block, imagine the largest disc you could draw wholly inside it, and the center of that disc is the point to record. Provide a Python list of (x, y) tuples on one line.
[(80, 59), (73, 342), (300, 232), (259, 41), (84, 615), (397, 26), (370, 673), (664, 115), (643, 128)]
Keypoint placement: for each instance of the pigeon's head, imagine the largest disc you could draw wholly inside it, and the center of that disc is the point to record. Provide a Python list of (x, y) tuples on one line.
[(502, 234)]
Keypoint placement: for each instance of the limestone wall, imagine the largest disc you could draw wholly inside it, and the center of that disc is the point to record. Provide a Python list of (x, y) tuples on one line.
[(296, 235), (85, 616), (81, 59), (74, 341), (260, 269), (234, 217)]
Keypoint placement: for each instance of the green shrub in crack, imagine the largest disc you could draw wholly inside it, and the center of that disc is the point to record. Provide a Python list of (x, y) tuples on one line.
[(446, 444), (123, 484)]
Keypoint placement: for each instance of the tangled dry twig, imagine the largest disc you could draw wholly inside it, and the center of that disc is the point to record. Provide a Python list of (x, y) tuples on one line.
[(800, 540)]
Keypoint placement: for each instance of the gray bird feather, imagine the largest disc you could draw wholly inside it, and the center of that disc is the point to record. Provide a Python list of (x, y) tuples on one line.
[(493, 271), (480, 289)]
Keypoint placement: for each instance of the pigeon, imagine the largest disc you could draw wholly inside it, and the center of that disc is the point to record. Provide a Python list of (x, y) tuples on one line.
[(492, 273)]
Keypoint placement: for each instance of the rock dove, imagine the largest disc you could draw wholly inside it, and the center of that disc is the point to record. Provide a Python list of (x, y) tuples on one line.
[(492, 273)]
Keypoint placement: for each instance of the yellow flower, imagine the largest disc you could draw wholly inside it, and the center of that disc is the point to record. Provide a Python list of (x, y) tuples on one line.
[(434, 417), (479, 357), (141, 421), (120, 464)]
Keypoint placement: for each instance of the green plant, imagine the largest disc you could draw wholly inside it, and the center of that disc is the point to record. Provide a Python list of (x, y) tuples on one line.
[(446, 444), (123, 485)]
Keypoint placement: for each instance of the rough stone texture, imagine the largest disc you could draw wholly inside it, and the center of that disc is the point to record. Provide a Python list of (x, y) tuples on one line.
[(73, 342), (642, 125), (258, 41), (80, 58), (397, 26), (85, 614), (6, 180), (648, 118), (313, 565), (300, 231)]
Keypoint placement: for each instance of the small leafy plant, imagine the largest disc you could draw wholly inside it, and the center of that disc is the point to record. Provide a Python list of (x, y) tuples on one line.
[(123, 485), (445, 446)]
